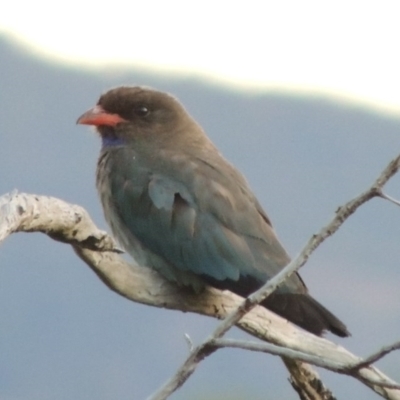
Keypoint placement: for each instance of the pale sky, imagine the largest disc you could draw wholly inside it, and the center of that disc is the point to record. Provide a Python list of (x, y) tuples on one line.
[(347, 48)]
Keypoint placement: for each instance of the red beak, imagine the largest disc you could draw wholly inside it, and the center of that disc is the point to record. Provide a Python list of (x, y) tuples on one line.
[(98, 116)]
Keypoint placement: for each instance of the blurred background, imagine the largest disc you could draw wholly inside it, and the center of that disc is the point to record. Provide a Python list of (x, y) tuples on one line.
[(303, 97)]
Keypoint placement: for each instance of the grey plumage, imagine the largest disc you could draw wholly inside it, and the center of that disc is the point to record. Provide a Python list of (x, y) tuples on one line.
[(176, 205)]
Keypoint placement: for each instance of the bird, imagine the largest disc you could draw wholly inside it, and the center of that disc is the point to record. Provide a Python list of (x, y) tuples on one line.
[(176, 205)]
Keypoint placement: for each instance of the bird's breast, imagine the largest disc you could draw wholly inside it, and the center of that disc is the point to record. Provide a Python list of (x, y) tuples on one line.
[(123, 184), (110, 182)]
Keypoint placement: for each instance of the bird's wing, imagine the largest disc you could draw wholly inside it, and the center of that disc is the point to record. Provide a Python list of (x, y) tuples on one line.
[(202, 221)]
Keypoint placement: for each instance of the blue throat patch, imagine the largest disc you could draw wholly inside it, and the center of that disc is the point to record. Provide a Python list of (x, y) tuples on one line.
[(111, 140)]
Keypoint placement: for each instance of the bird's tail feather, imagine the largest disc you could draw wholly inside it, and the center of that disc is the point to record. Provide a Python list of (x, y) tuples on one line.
[(306, 312)]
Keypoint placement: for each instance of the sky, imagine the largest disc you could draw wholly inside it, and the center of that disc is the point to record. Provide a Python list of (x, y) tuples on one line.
[(347, 49), (68, 336)]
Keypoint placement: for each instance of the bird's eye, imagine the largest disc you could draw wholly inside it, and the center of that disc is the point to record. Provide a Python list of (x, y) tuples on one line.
[(142, 111)]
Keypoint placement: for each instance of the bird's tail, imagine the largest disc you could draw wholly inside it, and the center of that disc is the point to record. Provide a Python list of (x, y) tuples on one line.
[(306, 312)]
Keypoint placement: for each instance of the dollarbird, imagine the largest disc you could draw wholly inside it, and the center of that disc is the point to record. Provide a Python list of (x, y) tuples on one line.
[(177, 205)]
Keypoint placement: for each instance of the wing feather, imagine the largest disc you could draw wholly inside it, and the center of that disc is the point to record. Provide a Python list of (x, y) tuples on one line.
[(201, 221)]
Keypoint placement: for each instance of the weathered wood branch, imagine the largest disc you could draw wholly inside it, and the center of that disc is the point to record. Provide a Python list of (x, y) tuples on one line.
[(302, 381), (71, 224)]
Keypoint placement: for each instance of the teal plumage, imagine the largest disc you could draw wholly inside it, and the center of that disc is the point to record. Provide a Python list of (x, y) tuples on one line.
[(176, 205)]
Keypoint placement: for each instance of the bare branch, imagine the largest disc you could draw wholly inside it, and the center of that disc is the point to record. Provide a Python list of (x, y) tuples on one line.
[(248, 304), (280, 351), (71, 224), (61, 221), (389, 198), (311, 359), (189, 342), (304, 381), (342, 214), (375, 356), (383, 384)]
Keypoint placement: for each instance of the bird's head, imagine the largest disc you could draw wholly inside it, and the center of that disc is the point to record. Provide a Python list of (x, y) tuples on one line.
[(126, 115)]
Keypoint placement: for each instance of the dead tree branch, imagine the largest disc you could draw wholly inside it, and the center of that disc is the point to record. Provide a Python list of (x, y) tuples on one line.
[(71, 224)]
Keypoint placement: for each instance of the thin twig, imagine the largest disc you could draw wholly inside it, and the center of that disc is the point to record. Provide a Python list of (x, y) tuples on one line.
[(375, 356), (189, 341), (334, 366), (280, 351), (389, 198)]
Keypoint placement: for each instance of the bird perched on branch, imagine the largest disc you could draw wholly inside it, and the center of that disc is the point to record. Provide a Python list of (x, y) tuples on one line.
[(176, 205)]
